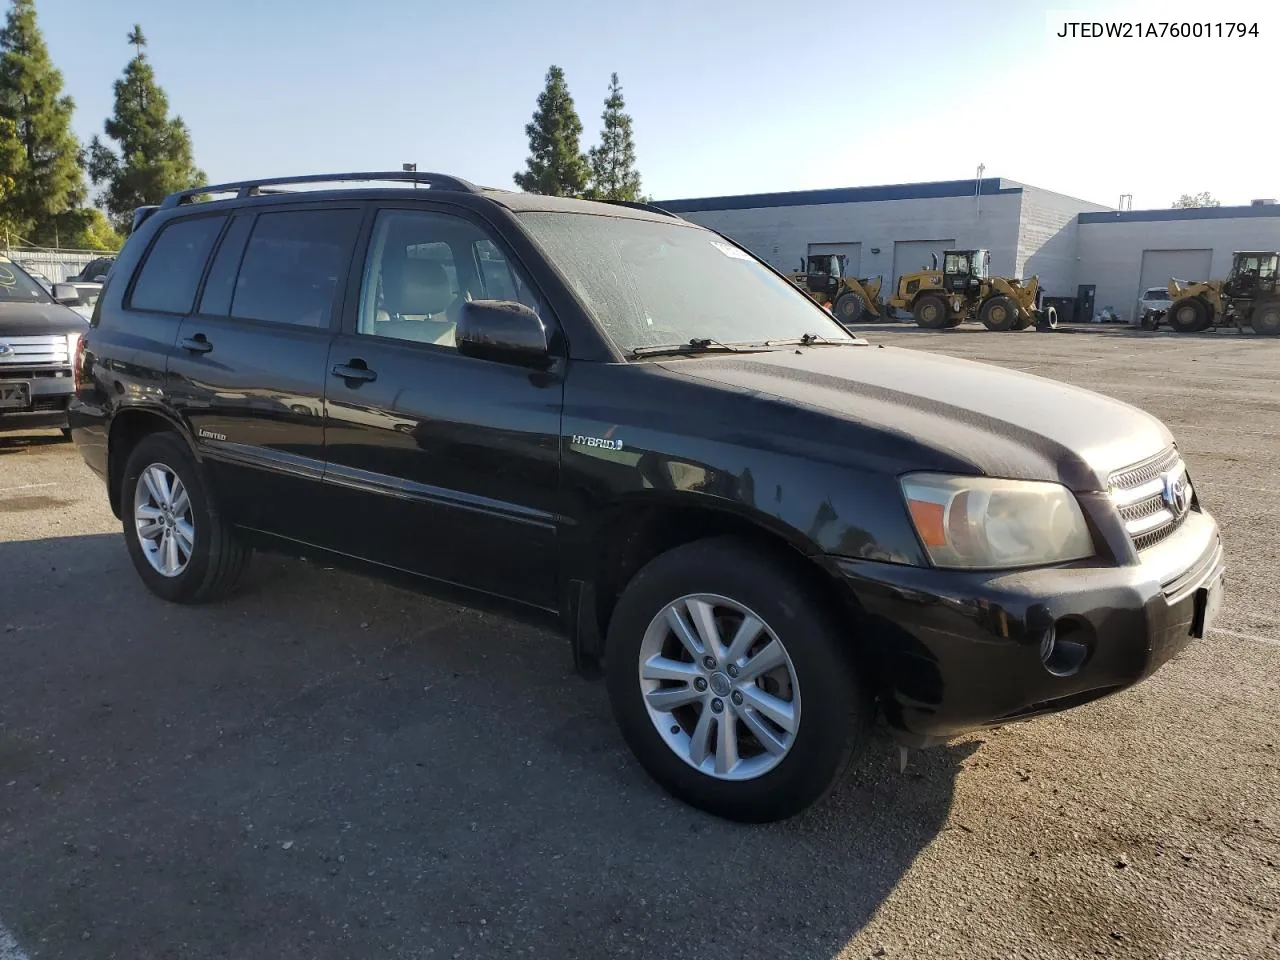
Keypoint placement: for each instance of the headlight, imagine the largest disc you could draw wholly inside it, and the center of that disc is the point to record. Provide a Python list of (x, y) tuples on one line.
[(983, 523)]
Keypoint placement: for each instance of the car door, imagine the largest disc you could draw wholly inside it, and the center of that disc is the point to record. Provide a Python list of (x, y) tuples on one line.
[(249, 370), (441, 464)]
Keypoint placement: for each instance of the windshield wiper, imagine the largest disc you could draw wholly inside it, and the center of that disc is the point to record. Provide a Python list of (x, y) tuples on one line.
[(809, 339), (697, 345)]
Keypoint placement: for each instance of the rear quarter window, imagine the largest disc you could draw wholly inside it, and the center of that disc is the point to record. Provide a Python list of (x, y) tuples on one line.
[(172, 269)]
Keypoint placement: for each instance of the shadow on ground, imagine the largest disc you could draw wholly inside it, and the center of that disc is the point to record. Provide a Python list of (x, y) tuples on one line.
[(324, 767), (22, 442)]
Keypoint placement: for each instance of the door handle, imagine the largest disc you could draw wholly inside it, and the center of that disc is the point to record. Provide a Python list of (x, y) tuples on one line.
[(354, 370), (196, 344)]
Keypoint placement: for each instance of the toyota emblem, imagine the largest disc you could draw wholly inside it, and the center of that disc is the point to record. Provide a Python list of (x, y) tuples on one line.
[(1177, 494)]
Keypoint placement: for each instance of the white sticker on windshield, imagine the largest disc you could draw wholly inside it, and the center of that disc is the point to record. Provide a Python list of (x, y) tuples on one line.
[(729, 250)]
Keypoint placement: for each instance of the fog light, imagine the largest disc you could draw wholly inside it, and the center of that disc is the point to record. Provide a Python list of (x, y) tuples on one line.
[(1064, 648)]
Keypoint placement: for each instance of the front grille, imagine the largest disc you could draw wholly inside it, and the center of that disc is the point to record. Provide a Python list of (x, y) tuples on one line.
[(27, 351), (1146, 471), (49, 403), (35, 373), (1142, 494)]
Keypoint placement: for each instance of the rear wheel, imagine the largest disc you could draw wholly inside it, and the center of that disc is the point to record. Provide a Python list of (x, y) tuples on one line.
[(1266, 319), (930, 312), (1188, 316), (710, 652), (849, 308), (183, 550), (999, 313)]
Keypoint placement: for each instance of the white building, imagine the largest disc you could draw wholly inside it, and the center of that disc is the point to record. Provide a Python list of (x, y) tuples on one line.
[(1076, 248)]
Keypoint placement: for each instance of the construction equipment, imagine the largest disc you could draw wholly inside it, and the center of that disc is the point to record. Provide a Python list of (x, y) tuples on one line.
[(848, 298), (1248, 297), (962, 290)]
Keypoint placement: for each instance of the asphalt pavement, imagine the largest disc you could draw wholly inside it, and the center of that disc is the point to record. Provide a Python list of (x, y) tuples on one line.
[(326, 767)]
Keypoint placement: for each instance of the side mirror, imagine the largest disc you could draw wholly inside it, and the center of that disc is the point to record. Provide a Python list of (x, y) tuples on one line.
[(503, 331), (100, 278), (65, 293)]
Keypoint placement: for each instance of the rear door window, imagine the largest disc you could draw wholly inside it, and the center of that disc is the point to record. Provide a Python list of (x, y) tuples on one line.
[(292, 266), (171, 272)]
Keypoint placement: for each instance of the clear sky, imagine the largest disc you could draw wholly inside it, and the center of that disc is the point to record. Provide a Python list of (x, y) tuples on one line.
[(727, 97)]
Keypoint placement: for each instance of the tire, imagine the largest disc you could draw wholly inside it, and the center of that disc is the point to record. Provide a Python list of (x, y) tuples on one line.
[(848, 309), (736, 580), (214, 558), (1266, 319), (954, 321), (930, 312), (66, 433), (1188, 316), (999, 313)]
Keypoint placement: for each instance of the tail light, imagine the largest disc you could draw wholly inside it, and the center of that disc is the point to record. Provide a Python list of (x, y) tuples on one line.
[(77, 345)]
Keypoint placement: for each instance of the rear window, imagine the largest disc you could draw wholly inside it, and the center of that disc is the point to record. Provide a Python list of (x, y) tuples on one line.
[(292, 266), (170, 274)]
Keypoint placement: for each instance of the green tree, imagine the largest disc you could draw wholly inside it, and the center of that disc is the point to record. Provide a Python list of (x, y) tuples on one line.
[(153, 155), (10, 157), (613, 162), (47, 178), (1204, 199), (556, 165)]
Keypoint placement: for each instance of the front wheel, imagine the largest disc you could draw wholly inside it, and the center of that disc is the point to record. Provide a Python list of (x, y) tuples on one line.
[(1188, 316), (848, 308), (183, 550), (999, 313), (732, 683)]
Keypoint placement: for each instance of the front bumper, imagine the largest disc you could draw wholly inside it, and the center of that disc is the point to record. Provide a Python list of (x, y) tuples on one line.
[(50, 397), (955, 650)]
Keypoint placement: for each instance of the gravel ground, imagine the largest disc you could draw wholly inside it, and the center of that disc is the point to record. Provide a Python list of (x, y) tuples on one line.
[(328, 767)]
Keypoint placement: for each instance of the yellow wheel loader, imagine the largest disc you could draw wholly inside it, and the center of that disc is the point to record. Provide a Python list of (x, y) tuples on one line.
[(850, 299), (1248, 297), (963, 290)]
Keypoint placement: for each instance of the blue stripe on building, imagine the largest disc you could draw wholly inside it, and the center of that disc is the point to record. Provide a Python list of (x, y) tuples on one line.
[(1186, 213), (804, 198)]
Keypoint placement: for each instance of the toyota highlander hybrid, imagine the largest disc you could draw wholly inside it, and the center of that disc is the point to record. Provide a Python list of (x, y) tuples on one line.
[(765, 531)]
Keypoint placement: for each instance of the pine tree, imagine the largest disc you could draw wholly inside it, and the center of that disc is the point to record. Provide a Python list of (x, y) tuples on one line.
[(613, 163), (11, 154), (154, 156), (556, 165), (47, 176)]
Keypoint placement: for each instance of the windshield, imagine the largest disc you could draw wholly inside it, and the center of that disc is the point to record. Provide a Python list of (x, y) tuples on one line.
[(956, 263), (16, 285), (650, 284), (1156, 293)]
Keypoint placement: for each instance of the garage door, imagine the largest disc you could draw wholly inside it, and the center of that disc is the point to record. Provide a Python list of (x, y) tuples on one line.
[(1160, 266), (852, 252), (910, 255)]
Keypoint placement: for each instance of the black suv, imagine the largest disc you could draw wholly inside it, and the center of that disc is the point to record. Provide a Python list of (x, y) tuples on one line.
[(763, 529)]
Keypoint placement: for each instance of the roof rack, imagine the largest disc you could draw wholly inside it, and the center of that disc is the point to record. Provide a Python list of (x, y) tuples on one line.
[(652, 208), (253, 188)]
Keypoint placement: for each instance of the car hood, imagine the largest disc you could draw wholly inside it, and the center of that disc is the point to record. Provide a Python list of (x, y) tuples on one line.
[(34, 319), (983, 418)]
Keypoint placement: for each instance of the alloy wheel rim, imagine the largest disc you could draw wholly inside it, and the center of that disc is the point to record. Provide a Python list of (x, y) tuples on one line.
[(163, 522), (719, 686)]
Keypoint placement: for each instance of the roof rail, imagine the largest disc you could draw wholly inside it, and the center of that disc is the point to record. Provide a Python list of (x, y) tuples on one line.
[(652, 208), (140, 215), (253, 188)]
